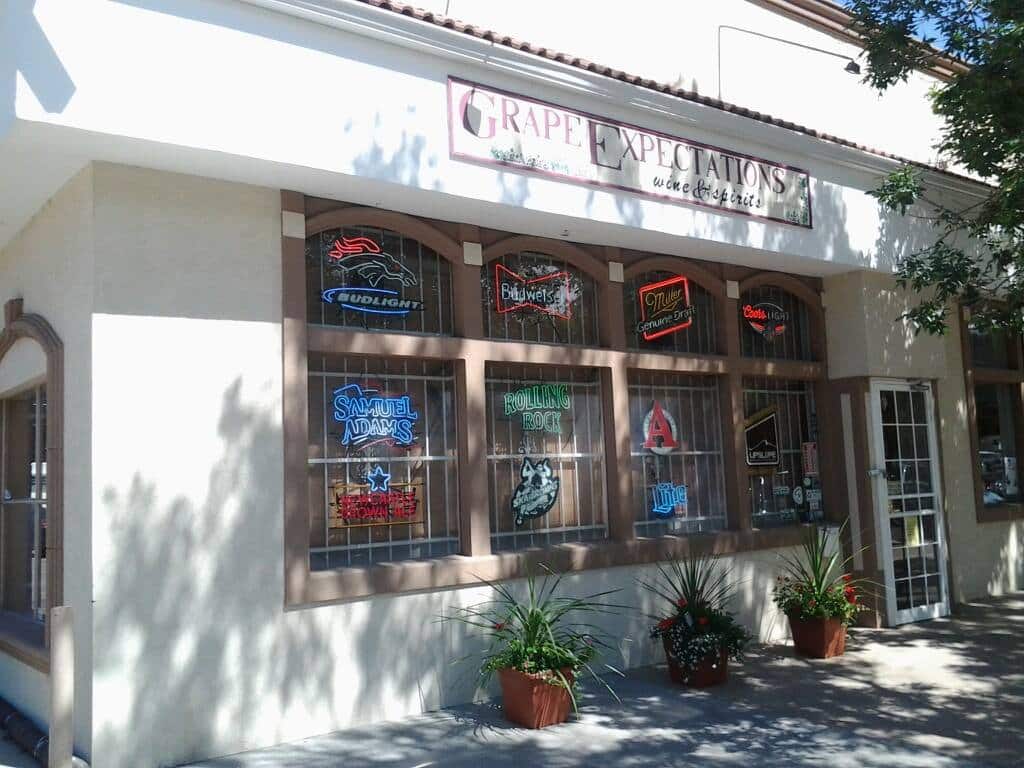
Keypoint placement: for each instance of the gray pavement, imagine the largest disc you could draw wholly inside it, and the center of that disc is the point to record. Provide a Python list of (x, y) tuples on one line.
[(942, 693)]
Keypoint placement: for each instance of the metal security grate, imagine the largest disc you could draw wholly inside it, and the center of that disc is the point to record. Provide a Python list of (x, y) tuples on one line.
[(793, 403), (428, 468), (575, 454), (530, 324), (404, 270), (792, 344), (700, 338), (692, 402)]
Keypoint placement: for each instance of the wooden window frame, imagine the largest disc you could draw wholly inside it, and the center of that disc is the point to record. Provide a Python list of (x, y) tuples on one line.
[(17, 326), (469, 352), (976, 374)]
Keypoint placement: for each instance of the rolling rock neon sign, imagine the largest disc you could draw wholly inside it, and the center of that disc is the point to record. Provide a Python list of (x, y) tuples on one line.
[(664, 308), (548, 294), (766, 318), (541, 406), (369, 417), (362, 258)]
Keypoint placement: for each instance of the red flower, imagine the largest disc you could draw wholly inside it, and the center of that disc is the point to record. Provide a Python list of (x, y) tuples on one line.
[(681, 602), (666, 623), (847, 578), (499, 626), (851, 594), (703, 620)]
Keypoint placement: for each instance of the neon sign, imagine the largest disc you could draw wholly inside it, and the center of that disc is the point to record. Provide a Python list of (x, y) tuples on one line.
[(669, 500), (363, 259), (537, 491), (766, 318), (540, 405), (660, 433), (369, 418), (375, 503), (762, 438), (375, 301), (664, 308), (549, 294)]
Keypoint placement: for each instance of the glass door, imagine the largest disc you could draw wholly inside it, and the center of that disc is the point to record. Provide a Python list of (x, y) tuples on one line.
[(911, 534)]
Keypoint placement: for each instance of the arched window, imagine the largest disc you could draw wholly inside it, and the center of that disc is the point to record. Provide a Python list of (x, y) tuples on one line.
[(536, 297), (668, 312), (377, 279), (774, 324)]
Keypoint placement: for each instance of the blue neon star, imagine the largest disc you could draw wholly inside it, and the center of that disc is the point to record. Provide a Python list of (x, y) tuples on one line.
[(379, 480)]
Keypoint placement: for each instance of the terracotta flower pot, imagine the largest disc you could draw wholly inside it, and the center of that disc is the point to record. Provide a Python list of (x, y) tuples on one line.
[(709, 672), (531, 701), (818, 638)]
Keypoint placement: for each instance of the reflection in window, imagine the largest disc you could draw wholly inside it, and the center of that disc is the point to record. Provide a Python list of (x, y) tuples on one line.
[(989, 349), (781, 426), (676, 450), (23, 504), (545, 457), (374, 279), (997, 442), (774, 324), (656, 304), (535, 297), (383, 477)]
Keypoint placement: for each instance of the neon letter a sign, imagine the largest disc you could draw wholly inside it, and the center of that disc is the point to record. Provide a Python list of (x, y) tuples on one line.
[(660, 435)]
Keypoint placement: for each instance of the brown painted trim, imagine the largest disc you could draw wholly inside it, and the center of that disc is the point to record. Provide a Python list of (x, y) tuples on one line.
[(617, 448), (1005, 513), (34, 656), (710, 282), (27, 326), (417, 229), (997, 376), (471, 441), (569, 252), (346, 584), (785, 369)]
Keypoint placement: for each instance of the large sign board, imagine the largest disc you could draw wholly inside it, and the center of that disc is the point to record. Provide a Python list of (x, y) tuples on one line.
[(499, 128)]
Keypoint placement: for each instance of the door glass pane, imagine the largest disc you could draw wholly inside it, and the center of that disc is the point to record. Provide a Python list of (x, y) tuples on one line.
[(997, 443), (888, 407), (902, 594), (903, 415)]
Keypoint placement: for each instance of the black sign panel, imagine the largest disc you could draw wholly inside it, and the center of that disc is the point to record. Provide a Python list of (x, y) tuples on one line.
[(762, 431)]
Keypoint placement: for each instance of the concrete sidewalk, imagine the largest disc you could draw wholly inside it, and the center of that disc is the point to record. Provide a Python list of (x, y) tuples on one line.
[(948, 692)]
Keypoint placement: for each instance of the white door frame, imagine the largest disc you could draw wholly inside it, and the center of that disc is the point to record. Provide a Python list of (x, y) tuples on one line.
[(880, 494)]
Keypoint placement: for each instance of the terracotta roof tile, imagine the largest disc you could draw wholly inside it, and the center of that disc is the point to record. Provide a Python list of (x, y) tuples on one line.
[(680, 93)]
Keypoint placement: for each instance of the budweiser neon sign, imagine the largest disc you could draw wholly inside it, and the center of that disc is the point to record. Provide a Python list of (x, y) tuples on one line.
[(549, 294)]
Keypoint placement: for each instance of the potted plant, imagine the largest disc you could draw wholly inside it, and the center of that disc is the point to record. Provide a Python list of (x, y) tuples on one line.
[(698, 634), (539, 646), (817, 596)]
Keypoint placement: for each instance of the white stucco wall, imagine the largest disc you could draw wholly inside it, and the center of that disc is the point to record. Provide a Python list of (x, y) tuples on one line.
[(24, 365), (195, 655), (50, 265)]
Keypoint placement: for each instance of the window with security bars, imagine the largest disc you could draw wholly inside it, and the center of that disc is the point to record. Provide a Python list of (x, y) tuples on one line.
[(780, 419), (23, 586), (676, 453), (546, 474), (667, 312), (536, 297), (774, 324), (383, 472), (376, 279)]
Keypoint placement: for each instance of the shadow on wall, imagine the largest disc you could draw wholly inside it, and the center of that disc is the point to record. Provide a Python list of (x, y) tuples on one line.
[(25, 49), (1008, 571)]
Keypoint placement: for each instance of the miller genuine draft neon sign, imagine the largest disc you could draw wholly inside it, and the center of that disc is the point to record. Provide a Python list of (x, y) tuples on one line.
[(664, 308)]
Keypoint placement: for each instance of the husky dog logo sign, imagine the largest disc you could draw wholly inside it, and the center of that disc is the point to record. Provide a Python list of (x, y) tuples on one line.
[(537, 491)]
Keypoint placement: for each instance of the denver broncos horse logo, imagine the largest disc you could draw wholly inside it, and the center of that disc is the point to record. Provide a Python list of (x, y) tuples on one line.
[(363, 257)]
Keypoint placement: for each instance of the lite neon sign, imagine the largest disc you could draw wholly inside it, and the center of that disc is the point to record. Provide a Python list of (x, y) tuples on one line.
[(369, 418), (540, 405), (549, 294), (664, 308), (669, 500)]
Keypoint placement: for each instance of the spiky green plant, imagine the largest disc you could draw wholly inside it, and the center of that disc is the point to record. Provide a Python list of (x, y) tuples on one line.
[(542, 633)]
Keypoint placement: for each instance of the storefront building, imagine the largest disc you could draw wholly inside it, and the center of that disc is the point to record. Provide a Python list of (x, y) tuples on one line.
[(318, 313)]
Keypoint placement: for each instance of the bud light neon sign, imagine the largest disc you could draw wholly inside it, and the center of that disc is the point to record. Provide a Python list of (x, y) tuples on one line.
[(369, 417), (363, 260)]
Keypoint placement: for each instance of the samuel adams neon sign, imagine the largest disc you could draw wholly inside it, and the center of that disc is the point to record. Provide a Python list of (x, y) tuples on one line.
[(362, 258), (664, 308), (369, 417)]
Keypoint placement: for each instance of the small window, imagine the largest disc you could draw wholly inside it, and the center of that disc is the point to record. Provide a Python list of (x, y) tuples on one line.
[(23, 585), (545, 456), (781, 451), (383, 475), (774, 324), (375, 279), (667, 312), (535, 297), (995, 406), (676, 454), (990, 349)]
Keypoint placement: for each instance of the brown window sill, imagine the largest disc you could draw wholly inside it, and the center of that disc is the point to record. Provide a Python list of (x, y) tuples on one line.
[(1002, 513), (344, 584), (24, 640)]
